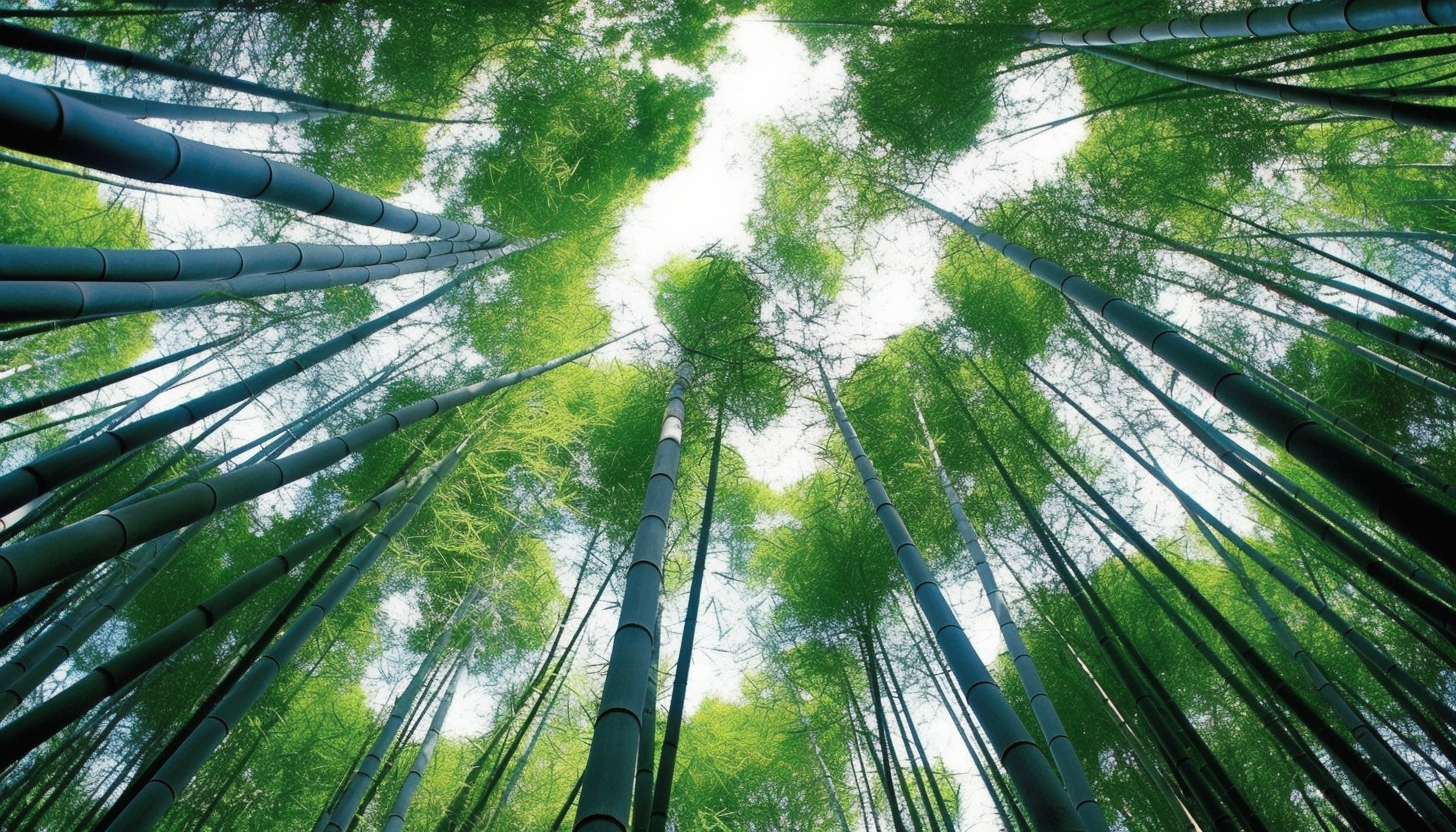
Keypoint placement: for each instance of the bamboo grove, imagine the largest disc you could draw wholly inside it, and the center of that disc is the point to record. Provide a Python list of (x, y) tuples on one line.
[(327, 462)]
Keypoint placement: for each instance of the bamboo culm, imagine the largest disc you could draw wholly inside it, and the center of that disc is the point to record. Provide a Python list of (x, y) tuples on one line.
[(1387, 805), (397, 812), (1383, 667), (1440, 352), (1359, 434), (154, 798), (611, 767), (1425, 593), (1265, 22), (667, 765), (348, 803), (66, 46), (647, 739), (50, 470), (141, 108), (40, 561), (1047, 803), (256, 642), (1261, 669), (29, 730), (549, 676), (1430, 116), (65, 394), (1064, 756), (47, 124), (88, 264), (1419, 518), (52, 299)]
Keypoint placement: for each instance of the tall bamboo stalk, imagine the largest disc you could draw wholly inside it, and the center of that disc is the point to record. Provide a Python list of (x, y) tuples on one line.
[(416, 774), (154, 798), (1064, 756), (611, 766), (33, 727), (47, 124), (667, 765), (66, 46), (348, 803), (55, 468), (42, 560), (1419, 518), (1265, 22), (1047, 803)]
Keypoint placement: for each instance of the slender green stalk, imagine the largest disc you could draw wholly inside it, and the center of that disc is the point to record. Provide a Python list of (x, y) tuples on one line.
[(1433, 117), (1383, 667), (97, 138), (154, 798), (66, 46), (1047, 803), (349, 802), (140, 108), (397, 812), (667, 766), (42, 560), (161, 265), (50, 470), (1265, 22), (611, 766), (1419, 518), (1064, 756), (38, 300)]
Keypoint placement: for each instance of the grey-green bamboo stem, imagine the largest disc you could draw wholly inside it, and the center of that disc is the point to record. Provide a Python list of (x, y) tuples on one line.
[(667, 766), (65, 394), (412, 780), (1047, 803), (1064, 755), (1410, 581), (154, 798), (140, 108), (348, 803), (66, 46), (53, 299), (1419, 518), (1382, 665), (50, 470), (1266, 22), (1433, 117), (29, 730), (42, 560), (1354, 431), (647, 738), (89, 264), (606, 792), (1440, 352), (47, 124)]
